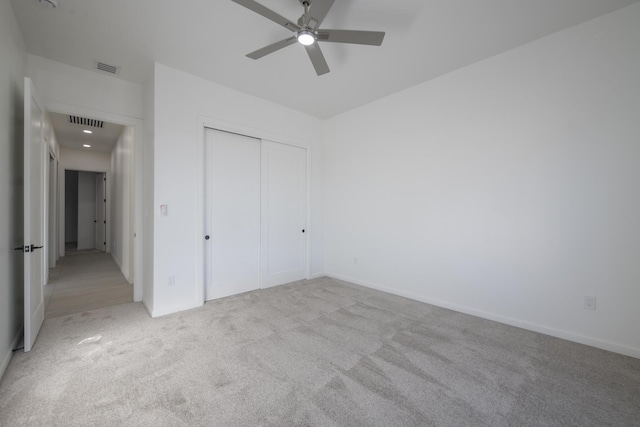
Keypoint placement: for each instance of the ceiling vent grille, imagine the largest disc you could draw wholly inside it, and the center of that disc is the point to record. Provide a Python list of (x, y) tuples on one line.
[(84, 121), (111, 69)]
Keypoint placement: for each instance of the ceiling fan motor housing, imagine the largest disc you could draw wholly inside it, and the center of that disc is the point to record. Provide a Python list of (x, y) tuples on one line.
[(307, 31)]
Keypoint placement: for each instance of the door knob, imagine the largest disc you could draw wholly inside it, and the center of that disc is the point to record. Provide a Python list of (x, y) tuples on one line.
[(206, 237)]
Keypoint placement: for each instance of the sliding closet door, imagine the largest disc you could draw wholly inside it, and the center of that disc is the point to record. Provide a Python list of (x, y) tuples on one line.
[(232, 214), (284, 201)]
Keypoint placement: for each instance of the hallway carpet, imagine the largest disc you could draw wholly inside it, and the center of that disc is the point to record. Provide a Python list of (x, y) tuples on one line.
[(320, 353)]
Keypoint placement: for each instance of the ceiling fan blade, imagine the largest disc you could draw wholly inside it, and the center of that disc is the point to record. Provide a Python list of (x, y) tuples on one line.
[(317, 59), (268, 13), (271, 48), (317, 12), (372, 38)]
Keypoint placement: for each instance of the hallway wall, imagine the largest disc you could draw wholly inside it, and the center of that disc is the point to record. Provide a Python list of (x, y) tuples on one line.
[(122, 202)]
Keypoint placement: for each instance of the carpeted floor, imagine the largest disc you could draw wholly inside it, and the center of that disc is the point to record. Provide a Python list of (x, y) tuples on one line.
[(320, 352)]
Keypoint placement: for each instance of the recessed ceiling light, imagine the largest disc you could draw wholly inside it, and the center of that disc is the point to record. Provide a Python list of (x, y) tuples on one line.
[(87, 131), (86, 145)]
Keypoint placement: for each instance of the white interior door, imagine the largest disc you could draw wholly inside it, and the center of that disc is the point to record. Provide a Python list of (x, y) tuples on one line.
[(33, 214), (232, 214), (86, 210), (101, 212), (284, 201)]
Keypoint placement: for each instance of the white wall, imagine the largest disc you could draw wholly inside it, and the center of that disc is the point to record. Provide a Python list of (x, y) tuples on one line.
[(121, 203), (507, 189), (84, 160), (12, 71), (181, 100), (62, 84)]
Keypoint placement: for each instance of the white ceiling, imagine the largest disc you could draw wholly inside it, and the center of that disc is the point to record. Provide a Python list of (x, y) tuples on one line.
[(71, 135), (209, 38)]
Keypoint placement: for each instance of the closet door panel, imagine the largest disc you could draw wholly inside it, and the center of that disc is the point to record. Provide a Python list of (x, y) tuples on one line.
[(232, 214), (284, 195)]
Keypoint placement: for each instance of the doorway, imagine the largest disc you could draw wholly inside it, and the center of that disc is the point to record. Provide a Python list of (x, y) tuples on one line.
[(85, 211), (97, 183)]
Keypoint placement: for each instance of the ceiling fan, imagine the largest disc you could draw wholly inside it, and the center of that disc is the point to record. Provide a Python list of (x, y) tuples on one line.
[(307, 31)]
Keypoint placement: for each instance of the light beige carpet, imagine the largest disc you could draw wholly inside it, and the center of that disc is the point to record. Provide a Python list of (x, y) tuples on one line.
[(320, 352)]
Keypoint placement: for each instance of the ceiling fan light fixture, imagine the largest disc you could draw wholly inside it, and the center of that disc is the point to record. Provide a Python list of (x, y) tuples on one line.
[(306, 37)]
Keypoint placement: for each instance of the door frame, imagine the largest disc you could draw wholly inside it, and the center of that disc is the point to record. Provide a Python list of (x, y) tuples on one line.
[(52, 197), (203, 123), (101, 178), (137, 174)]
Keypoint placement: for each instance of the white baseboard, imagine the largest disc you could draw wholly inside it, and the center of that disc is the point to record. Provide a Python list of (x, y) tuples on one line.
[(569, 336), (316, 276), (174, 309), (7, 357)]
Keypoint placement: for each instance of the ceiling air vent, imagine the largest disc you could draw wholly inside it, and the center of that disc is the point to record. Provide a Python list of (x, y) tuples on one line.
[(76, 120), (111, 69)]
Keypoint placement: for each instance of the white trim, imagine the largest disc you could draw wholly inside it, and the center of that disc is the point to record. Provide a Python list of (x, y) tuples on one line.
[(172, 309), (200, 212), (265, 155), (307, 226), (258, 133), (58, 107), (566, 335)]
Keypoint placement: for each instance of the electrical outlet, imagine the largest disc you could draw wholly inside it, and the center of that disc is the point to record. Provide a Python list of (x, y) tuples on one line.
[(589, 302), (172, 281)]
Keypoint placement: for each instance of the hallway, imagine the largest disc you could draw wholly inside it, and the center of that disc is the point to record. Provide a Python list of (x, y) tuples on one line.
[(84, 281)]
